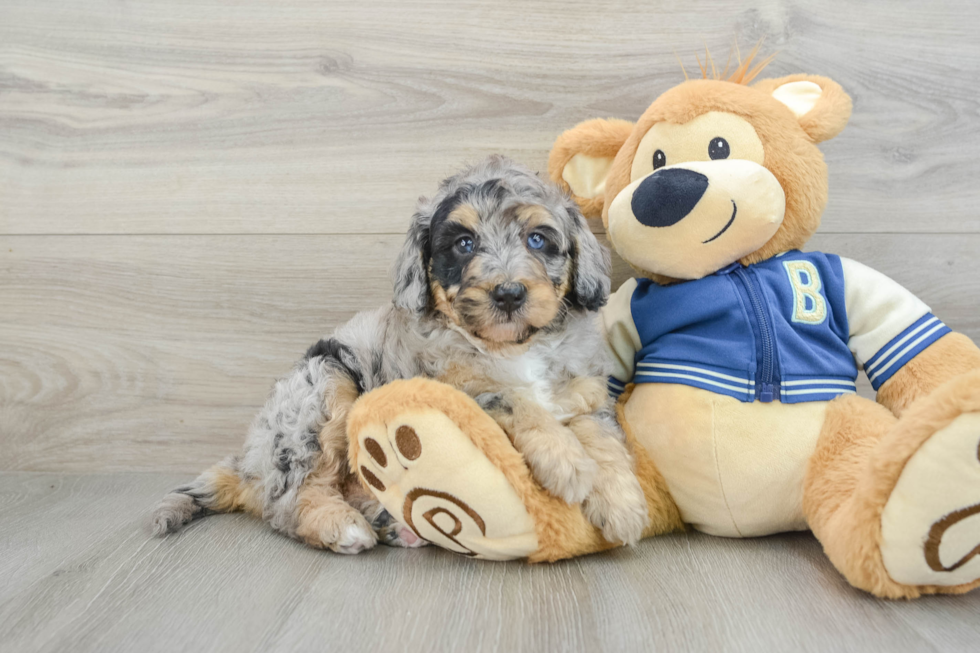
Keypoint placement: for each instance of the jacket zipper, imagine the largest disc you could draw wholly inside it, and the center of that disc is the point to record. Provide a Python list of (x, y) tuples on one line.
[(765, 388)]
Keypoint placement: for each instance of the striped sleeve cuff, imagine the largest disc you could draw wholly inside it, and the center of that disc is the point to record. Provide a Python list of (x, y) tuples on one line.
[(903, 348), (615, 387)]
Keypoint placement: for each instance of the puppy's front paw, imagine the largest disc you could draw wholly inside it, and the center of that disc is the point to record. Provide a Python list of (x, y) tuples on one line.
[(353, 539), (340, 529), (494, 402), (586, 395), (562, 468), (618, 507)]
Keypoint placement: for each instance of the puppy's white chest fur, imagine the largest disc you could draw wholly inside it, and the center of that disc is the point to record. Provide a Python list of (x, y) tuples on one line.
[(530, 371)]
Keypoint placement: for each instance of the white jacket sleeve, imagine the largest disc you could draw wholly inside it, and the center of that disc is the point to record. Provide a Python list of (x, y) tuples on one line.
[(622, 339), (889, 326)]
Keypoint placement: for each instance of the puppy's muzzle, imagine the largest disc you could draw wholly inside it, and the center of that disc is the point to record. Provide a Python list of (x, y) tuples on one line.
[(509, 297)]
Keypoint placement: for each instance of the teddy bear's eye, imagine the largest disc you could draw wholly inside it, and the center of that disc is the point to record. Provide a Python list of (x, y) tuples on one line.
[(659, 159), (718, 148)]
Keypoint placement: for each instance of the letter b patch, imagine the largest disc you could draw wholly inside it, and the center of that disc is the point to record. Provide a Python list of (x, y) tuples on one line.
[(809, 306)]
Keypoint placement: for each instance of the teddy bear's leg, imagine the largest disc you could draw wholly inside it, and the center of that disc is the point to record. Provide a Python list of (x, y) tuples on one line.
[(896, 502), (442, 466), (833, 501)]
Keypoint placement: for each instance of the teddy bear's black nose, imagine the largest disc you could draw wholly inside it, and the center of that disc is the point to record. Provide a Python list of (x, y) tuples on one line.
[(666, 196)]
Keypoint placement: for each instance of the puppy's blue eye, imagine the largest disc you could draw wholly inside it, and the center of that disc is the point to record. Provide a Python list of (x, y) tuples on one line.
[(464, 245), (535, 241)]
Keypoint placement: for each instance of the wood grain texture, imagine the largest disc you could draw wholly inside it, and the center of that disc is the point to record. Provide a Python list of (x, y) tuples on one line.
[(81, 574), (118, 352), (193, 191), (124, 353), (331, 117)]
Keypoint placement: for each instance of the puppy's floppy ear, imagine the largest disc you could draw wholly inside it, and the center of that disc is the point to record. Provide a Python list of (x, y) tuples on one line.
[(410, 272), (819, 103), (581, 157), (591, 265)]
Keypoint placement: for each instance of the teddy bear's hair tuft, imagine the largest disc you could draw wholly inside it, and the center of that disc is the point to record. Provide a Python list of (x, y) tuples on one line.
[(744, 71)]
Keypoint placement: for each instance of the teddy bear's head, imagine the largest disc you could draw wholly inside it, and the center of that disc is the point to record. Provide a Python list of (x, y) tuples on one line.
[(714, 171)]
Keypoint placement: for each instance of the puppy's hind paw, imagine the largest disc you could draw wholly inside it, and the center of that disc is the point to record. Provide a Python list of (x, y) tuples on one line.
[(400, 535), (392, 533)]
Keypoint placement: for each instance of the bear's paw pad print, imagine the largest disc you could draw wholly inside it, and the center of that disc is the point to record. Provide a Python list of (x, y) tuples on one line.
[(930, 525), (431, 477)]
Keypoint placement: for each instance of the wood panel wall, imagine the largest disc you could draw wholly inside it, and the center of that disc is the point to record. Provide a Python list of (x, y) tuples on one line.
[(192, 192)]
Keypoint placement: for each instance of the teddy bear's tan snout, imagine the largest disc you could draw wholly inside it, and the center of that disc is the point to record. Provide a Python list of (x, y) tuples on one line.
[(689, 220)]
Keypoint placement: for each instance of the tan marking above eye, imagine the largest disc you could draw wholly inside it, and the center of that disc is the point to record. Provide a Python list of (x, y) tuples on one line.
[(408, 443), (689, 141), (465, 215), (535, 216)]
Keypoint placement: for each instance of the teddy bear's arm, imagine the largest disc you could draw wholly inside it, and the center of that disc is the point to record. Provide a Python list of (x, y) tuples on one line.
[(946, 358), (905, 350), (621, 337)]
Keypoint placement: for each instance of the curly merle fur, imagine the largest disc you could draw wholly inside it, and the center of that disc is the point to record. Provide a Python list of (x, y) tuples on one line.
[(538, 369)]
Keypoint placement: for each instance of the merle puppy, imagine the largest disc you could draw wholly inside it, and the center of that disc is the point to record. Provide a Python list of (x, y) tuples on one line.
[(496, 292)]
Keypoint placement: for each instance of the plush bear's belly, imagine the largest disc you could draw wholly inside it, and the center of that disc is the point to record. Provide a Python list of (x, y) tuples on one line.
[(733, 468)]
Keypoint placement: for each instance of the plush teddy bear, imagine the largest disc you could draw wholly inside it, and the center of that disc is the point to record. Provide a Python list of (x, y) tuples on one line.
[(744, 350), (738, 355)]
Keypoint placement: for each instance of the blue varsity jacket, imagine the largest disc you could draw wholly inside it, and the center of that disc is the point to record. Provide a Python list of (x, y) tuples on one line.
[(778, 330)]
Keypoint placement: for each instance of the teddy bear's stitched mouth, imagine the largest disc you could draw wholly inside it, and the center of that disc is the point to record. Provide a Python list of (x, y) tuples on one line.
[(725, 228)]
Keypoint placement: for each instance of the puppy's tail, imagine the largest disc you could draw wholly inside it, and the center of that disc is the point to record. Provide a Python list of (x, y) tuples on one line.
[(219, 489)]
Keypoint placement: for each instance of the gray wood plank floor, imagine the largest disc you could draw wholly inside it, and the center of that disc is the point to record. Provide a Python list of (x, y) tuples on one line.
[(192, 192), (81, 574)]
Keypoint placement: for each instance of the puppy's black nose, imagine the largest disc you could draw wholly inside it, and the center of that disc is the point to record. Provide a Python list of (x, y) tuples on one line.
[(666, 196), (509, 296)]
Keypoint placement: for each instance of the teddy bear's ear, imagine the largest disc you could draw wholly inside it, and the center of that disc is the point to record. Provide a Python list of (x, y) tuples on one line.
[(819, 103), (581, 157)]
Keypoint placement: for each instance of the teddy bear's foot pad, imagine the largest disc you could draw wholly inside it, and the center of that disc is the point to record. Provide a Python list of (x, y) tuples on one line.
[(930, 526), (430, 476)]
